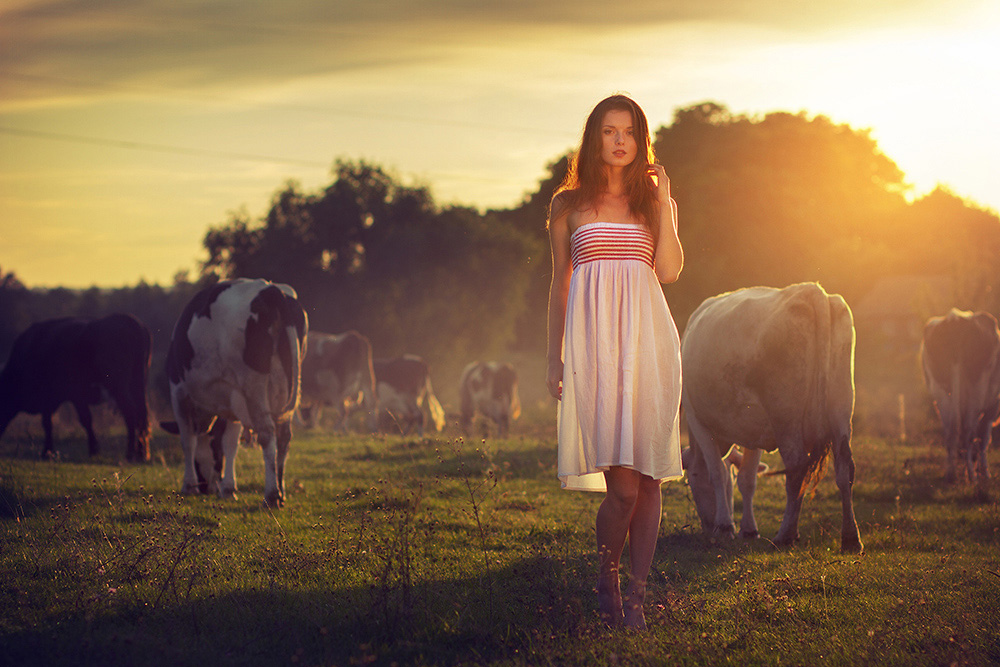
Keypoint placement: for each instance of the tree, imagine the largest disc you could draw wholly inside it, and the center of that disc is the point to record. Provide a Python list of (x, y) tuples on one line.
[(13, 310), (371, 254), (530, 218), (775, 200), (785, 198)]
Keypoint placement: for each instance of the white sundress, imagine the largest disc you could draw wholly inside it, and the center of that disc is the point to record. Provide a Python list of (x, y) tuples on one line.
[(622, 364)]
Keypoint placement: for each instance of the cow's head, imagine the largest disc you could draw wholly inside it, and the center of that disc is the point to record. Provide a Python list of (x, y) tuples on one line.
[(702, 491)]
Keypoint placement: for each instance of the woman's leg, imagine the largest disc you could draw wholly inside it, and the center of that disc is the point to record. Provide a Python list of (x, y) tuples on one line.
[(642, 533), (613, 520)]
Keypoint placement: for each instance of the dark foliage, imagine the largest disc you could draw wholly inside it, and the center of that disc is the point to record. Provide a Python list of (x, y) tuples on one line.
[(766, 200)]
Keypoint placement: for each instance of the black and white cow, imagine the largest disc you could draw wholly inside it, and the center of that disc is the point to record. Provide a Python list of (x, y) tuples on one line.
[(236, 355), (337, 372), (769, 369), (81, 362), (489, 388), (404, 386), (960, 355)]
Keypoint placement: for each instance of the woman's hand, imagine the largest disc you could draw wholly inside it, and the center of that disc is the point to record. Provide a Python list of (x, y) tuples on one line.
[(659, 179), (553, 379)]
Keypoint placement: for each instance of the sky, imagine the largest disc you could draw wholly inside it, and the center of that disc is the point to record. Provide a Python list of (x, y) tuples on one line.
[(128, 129)]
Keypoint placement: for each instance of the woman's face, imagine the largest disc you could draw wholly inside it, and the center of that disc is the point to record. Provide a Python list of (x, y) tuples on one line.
[(618, 147)]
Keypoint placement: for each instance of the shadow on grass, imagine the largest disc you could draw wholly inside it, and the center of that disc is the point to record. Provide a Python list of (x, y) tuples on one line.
[(73, 449), (502, 615)]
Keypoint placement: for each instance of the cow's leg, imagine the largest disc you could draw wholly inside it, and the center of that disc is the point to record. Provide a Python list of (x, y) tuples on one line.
[(204, 462), (719, 476), (136, 447), (701, 489), (267, 437), (86, 420), (307, 416), (417, 417), (133, 450), (48, 450), (468, 408), (343, 414), (972, 457), (120, 398), (985, 440), (965, 453), (795, 460), (370, 403), (284, 437), (788, 532), (950, 431), (190, 446), (843, 462), (503, 426), (230, 445), (747, 480), (183, 413)]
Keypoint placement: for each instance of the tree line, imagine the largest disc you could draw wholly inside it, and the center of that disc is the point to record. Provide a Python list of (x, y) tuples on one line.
[(763, 200)]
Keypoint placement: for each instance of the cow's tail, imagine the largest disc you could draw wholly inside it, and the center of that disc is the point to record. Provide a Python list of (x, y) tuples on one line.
[(818, 434), (295, 323), (437, 412), (296, 350)]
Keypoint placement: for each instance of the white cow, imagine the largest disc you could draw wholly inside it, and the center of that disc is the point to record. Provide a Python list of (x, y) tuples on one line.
[(337, 372), (235, 356), (491, 389), (769, 369), (404, 387), (960, 354)]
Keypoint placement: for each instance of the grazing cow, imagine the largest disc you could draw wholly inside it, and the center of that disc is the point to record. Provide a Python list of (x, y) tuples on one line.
[(404, 385), (236, 355), (337, 371), (491, 389), (769, 369), (960, 354), (83, 362)]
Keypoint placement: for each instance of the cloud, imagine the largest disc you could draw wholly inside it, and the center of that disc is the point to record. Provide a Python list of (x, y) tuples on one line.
[(64, 47)]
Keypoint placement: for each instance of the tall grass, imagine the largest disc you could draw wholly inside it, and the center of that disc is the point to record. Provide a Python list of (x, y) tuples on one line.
[(446, 550)]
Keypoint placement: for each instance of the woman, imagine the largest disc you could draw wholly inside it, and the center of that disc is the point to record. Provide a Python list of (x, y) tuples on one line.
[(613, 349)]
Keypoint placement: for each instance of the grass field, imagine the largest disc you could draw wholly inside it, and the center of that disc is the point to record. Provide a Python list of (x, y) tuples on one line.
[(443, 551)]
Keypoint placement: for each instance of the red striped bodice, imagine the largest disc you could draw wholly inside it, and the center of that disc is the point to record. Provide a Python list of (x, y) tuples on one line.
[(610, 240)]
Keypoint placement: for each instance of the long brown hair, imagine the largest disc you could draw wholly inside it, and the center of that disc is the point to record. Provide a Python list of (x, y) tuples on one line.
[(587, 178)]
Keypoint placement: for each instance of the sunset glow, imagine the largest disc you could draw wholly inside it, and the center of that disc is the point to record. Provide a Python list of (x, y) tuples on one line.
[(123, 138)]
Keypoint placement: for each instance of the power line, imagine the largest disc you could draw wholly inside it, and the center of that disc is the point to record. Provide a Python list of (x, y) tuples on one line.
[(161, 148), (181, 150)]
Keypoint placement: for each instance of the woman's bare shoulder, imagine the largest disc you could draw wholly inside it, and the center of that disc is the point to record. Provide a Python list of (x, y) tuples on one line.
[(559, 206)]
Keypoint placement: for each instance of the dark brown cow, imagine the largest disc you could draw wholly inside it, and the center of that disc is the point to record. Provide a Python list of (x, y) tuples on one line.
[(236, 355), (83, 362), (960, 354), (337, 372), (489, 388), (404, 386)]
